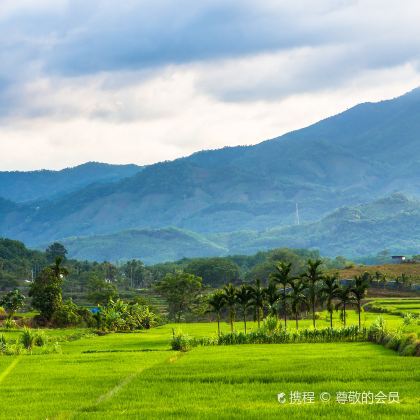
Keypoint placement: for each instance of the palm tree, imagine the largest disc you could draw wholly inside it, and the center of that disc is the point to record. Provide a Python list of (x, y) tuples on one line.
[(282, 276), (257, 298), (329, 292), (272, 296), (359, 288), (58, 270), (297, 298), (217, 303), (229, 291), (313, 275), (243, 298), (345, 298)]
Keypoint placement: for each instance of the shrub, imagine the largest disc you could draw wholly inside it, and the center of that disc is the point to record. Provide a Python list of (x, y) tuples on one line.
[(40, 339), (271, 324), (408, 318), (67, 315), (9, 324), (27, 339), (181, 342)]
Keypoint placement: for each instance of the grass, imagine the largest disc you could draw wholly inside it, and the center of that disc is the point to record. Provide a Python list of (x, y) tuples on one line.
[(136, 375), (397, 306)]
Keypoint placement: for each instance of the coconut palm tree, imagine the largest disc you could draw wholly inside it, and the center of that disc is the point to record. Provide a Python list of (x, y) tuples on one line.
[(217, 302), (359, 288), (345, 298), (313, 275), (329, 292), (272, 296), (257, 299), (283, 277), (229, 291), (297, 298), (243, 298)]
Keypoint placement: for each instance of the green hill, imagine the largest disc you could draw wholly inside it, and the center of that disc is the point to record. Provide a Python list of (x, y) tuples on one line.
[(149, 245)]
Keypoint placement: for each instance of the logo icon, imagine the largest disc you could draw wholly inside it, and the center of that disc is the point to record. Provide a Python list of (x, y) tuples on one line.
[(325, 396), (281, 398)]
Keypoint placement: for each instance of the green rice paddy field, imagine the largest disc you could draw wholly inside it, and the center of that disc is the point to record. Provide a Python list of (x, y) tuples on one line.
[(136, 375)]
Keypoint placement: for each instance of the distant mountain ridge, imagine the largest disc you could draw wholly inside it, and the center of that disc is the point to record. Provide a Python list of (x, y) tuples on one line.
[(19, 186), (367, 152)]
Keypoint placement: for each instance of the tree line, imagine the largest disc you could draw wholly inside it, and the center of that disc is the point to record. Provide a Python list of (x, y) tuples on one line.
[(288, 295)]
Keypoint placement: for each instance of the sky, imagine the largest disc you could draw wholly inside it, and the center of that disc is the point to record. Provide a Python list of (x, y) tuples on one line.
[(150, 80)]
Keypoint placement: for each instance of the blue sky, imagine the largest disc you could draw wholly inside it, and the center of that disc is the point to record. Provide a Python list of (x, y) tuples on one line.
[(143, 81)]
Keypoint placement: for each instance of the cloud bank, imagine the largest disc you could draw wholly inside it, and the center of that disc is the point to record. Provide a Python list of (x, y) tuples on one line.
[(141, 81)]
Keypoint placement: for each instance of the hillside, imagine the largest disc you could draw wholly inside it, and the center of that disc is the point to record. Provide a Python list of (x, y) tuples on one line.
[(42, 185), (391, 223), (365, 153), (149, 245)]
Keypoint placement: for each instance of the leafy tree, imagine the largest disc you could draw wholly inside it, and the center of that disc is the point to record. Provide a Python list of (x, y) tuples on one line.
[(12, 302), (100, 291), (313, 275), (217, 302), (328, 292), (359, 289), (182, 291), (282, 276), (230, 298), (297, 298), (55, 250), (214, 271), (257, 298), (243, 297), (46, 289)]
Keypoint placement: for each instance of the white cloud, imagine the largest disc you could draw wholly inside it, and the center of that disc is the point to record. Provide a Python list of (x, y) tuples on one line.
[(141, 82)]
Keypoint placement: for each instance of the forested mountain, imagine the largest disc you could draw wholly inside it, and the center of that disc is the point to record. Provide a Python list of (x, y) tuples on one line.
[(367, 152), (149, 245), (41, 185)]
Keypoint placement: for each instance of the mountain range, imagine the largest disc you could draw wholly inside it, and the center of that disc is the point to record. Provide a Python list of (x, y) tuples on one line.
[(235, 199)]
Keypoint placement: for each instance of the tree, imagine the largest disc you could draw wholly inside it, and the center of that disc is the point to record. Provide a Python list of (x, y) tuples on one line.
[(329, 292), (345, 298), (257, 299), (243, 297), (100, 292), (217, 302), (182, 291), (282, 276), (12, 302), (214, 271), (297, 298), (230, 298), (359, 289), (55, 250), (46, 289), (313, 275), (272, 296)]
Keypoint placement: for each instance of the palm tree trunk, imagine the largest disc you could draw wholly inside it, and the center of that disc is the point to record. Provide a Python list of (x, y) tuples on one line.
[(344, 314), (313, 310), (359, 307), (297, 326), (284, 307), (258, 317), (245, 321), (331, 319), (231, 322), (218, 324)]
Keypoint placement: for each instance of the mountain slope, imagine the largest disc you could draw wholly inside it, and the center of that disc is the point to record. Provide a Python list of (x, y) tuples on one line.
[(41, 185), (391, 223), (151, 246), (364, 153)]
